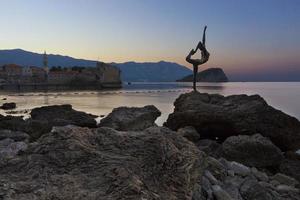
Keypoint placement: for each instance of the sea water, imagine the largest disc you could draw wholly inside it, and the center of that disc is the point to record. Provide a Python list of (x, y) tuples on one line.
[(284, 96)]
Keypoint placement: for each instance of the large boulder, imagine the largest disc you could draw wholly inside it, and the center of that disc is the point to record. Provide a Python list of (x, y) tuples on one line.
[(80, 163), (60, 115), (255, 151), (131, 118), (216, 116)]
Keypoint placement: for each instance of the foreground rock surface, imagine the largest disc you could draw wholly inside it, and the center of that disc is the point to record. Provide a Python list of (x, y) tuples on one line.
[(225, 180), (255, 151), (218, 116), (81, 163), (131, 119)]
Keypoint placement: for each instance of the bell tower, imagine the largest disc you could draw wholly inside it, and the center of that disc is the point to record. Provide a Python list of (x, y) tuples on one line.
[(45, 63)]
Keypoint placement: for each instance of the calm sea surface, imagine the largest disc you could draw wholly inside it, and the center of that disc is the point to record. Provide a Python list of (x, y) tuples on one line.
[(284, 96)]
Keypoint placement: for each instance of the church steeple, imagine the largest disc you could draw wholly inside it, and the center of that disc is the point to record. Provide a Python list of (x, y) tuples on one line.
[(45, 62)]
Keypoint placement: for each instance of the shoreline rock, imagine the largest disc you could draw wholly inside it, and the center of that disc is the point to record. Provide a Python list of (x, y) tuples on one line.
[(131, 118), (215, 116), (60, 115), (8, 106)]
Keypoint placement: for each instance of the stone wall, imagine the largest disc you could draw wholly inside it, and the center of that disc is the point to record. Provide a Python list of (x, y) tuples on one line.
[(108, 73), (103, 75)]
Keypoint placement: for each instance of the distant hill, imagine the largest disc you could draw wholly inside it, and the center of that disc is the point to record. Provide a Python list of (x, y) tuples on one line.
[(131, 71), (152, 72), (27, 58), (208, 75)]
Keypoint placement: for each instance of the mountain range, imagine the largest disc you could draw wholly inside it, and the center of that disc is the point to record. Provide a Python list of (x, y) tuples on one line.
[(131, 71), (148, 71)]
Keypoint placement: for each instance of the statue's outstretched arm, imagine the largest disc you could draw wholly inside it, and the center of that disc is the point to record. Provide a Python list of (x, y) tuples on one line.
[(201, 45), (204, 36)]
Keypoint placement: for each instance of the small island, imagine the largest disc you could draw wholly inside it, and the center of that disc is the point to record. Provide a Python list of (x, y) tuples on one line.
[(208, 75)]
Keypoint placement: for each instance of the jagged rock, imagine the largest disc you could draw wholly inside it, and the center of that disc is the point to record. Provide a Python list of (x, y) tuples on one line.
[(203, 190), (211, 178), (214, 116), (210, 147), (9, 149), (220, 194), (11, 123), (243, 184), (286, 188), (261, 176), (216, 168), (60, 115), (255, 150), (285, 180), (14, 135), (80, 163), (274, 183), (131, 119), (291, 167), (252, 190), (34, 128), (199, 193), (17, 112), (189, 133), (240, 169), (8, 106), (232, 185)]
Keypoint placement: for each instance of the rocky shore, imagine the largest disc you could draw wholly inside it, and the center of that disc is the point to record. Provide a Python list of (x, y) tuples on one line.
[(211, 147)]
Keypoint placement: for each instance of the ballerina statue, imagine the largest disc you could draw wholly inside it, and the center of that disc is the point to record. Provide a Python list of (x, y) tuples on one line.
[(196, 62)]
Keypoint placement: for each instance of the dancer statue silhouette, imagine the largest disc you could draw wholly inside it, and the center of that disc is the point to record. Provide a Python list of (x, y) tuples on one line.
[(196, 62)]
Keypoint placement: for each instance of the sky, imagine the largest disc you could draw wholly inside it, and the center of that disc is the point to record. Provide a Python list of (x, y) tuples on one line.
[(243, 36)]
